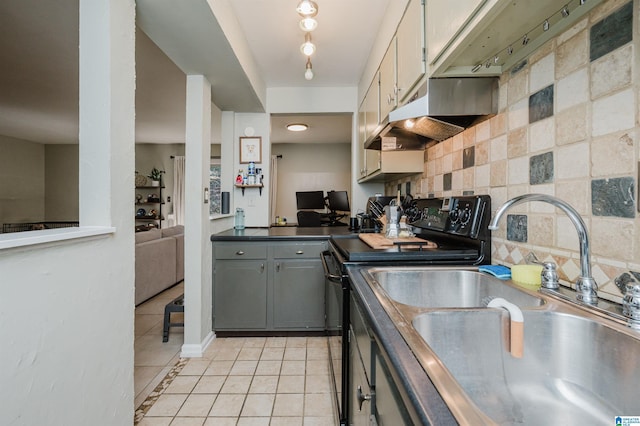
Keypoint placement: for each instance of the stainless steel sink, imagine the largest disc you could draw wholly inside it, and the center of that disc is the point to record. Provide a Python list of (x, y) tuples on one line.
[(578, 367), (574, 370), (446, 288)]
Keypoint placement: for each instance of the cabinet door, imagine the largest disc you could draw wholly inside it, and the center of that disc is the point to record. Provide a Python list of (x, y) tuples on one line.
[(240, 294), (362, 136), (388, 83), (373, 161), (444, 22), (371, 106), (360, 395), (410, 45), (298, 299)]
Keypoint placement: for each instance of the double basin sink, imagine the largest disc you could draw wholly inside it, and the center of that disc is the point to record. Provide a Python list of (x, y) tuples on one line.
[(576, 368)]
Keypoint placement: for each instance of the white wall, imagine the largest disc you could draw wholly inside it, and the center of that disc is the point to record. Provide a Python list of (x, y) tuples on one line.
[(66, 317), (310, 167)]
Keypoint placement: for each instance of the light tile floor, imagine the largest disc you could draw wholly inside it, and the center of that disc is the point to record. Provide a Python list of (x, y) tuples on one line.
[(239, 381)]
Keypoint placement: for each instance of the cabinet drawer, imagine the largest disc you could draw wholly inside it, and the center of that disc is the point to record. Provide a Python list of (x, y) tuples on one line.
[(302, 250), (240, 251)]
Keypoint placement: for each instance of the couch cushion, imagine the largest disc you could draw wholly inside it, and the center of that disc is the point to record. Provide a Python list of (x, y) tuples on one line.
[(151, 234), (173, 230)]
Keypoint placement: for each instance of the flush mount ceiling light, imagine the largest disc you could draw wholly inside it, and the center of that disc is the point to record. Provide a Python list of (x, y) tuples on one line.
[(308, 24), (297, 127), (308, 48), (308, 73), (307, 8)]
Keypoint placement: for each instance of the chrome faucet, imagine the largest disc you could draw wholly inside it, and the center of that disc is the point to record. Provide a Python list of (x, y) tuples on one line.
[(585, 284)]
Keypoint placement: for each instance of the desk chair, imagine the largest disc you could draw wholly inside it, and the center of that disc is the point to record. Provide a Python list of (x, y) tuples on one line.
[(309, 218)]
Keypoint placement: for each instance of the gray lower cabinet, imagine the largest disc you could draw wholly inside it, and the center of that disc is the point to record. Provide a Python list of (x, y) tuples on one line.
[(240, 286), (267, 286), (374, 397), (298, 290)]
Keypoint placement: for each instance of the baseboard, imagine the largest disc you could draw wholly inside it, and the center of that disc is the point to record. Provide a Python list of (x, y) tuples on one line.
[(197, 350)]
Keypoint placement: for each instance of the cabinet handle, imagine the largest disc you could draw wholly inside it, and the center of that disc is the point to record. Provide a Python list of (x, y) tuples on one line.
[(299, 252), (239, 252), (389, 99), (278, 267), (362, 398), (261, 267)]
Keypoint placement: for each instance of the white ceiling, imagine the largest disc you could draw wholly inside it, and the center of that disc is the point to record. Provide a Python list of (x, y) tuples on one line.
[(242, 46)]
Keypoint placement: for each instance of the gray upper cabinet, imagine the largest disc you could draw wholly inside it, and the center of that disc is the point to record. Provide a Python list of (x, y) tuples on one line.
[(410, 42), (388, 82)]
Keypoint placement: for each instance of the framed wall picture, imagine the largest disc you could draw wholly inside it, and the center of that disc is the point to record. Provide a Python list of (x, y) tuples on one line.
[(251, 149)]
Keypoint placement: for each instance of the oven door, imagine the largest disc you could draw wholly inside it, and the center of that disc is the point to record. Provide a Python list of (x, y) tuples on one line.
[(337, 325)]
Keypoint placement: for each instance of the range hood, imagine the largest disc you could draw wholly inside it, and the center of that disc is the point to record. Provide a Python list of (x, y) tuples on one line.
[(438, 110)]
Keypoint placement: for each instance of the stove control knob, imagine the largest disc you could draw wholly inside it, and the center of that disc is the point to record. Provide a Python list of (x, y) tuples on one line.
[(454, 215), (465, 216)]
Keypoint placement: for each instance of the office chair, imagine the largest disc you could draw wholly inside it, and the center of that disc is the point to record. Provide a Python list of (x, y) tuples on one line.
[(308, 218)]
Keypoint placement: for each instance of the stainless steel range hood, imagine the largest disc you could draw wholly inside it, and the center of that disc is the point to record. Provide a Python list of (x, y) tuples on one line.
[(440, 109)]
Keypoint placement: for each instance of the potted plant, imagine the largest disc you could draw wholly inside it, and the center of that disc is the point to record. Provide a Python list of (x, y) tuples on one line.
[(156, 176)]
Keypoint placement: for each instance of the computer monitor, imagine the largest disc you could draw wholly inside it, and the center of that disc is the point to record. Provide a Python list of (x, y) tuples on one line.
[(338, 201), (313, 200)]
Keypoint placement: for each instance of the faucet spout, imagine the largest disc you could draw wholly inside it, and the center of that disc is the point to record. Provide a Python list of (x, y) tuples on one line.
[(585, 284)]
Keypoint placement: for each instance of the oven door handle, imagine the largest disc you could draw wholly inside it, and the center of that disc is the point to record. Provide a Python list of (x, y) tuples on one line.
[(327, 274)]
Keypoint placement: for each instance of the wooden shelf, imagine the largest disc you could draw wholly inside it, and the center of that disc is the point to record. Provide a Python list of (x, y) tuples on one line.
[(257, 185)]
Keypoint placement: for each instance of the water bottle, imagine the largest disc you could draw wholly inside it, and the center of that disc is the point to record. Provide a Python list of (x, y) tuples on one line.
[(239, 219), (252, 169)]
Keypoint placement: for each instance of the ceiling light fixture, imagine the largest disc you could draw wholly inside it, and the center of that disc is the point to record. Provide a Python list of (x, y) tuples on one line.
[(308, 74), (307, 8), (308, 48), (297, 127), (308, 24)]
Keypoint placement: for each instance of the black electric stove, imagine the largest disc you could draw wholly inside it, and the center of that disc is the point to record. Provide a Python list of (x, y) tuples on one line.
[(458, 226)]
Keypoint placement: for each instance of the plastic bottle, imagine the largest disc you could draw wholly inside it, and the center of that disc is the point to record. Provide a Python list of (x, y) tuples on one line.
[(239, 219)]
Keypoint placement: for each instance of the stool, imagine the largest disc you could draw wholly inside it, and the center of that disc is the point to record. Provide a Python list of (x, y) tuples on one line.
[(176, 305)]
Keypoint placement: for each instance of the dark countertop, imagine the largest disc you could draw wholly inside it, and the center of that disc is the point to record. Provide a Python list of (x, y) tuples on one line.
[(282, 233)]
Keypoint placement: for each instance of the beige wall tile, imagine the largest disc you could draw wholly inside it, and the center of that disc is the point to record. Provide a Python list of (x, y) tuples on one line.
[(469, 137), (468, 178), (518, 171), (456, 157), (572, 161), (446, 146), (483, 131), (541, 230), (612, 238), (577, 193), (482, 153), (571, 124), (457, 180), (518, 86), (499, 173), (519, 114), (457, 142), (517, 143), (567, 233), (542, 135), (483, 175), (613, 155), (572, 89), (542, 73), (498, 148), (613, 113), (498, 125), (447, 163), (542, 207), (611, 72), (572, 54)]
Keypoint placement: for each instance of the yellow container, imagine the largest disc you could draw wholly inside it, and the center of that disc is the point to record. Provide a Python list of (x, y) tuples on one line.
[(527, 275)]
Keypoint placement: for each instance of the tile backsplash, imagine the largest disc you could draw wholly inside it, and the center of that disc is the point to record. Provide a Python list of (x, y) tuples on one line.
[(567, 126)]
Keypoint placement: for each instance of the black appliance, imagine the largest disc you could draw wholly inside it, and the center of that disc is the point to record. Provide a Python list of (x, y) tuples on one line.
[(459, 226)]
